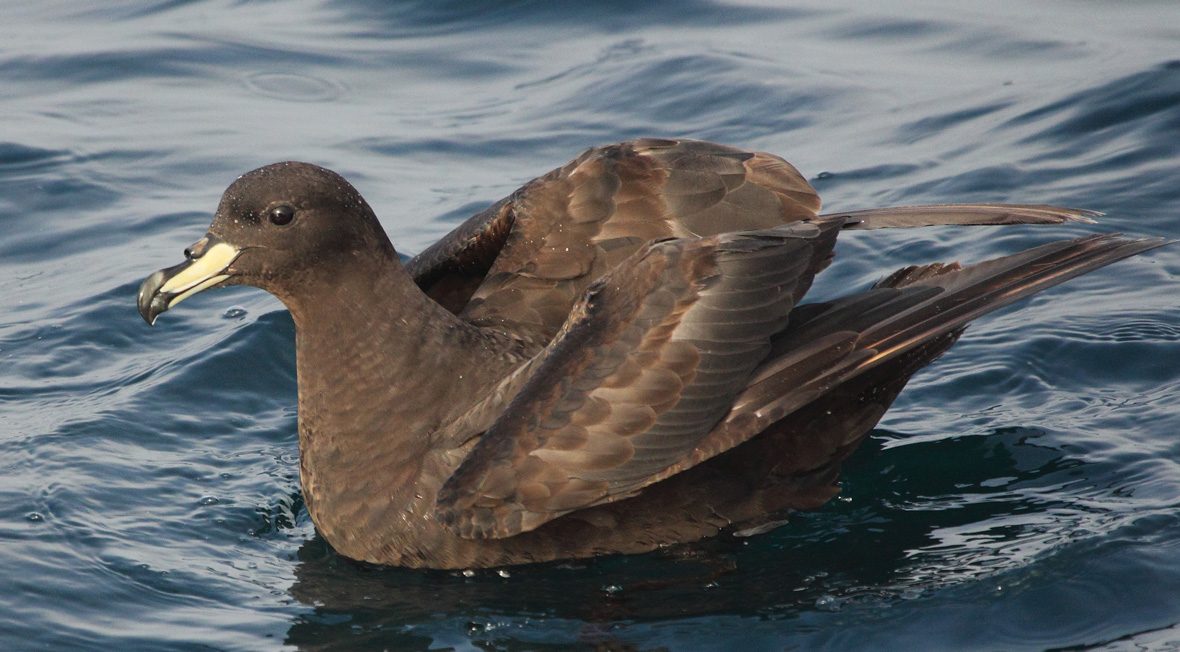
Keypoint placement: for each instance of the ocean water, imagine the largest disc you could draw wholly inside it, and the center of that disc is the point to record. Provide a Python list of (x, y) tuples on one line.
[(1024, 492)]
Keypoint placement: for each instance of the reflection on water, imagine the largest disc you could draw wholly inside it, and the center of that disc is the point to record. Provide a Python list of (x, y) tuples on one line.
[(913, 520)]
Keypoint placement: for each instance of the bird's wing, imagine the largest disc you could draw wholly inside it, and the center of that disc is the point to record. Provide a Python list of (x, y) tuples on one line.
[(626, 391), (522, 264), (646, 365), (828, 343)]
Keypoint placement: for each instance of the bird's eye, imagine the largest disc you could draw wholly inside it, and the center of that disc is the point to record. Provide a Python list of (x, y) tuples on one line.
[(282, 215)]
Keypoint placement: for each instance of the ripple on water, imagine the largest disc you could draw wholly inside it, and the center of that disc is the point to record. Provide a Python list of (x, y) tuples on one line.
[(294, 87)]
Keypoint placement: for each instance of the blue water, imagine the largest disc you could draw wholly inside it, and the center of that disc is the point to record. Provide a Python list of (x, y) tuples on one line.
[(1024, 493)]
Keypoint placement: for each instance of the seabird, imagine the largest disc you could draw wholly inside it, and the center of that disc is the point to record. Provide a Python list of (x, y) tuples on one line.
[(613, 359)]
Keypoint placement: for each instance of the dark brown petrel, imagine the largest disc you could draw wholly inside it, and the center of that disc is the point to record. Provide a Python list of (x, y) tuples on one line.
[(611, 360)]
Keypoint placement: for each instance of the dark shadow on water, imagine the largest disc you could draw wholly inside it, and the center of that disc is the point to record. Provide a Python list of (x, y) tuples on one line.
[(878, 543)]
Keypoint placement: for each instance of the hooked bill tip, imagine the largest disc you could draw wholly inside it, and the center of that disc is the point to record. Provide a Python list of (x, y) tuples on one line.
[(149, 301)]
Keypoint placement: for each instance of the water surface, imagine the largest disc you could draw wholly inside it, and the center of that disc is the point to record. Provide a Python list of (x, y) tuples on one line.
[(1022, 494)]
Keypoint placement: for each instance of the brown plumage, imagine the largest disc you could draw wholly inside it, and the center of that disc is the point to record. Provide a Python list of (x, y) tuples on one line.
[(612, 359)]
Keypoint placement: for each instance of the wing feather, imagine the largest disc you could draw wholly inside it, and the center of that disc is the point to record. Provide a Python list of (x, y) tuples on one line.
[(827, 344), (521, 265), (960, 214), (645, 368)]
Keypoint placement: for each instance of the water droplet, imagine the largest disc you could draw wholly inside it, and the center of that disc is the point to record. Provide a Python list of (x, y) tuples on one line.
[(234, 312), (824, 175), (468, 573), (503, 573), (612, 589), (828, 603), (207, 500), (34, 517)]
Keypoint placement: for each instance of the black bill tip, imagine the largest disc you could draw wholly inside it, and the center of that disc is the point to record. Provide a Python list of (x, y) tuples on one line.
[(151, 302)]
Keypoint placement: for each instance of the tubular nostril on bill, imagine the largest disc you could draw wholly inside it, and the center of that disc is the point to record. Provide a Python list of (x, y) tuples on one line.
[(197, 249)]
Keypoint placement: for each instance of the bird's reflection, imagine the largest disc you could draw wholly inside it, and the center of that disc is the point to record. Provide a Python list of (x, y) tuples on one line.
[(881, 541)]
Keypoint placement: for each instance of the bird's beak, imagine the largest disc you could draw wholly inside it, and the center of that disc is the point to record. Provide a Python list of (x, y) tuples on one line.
[(206, 267)]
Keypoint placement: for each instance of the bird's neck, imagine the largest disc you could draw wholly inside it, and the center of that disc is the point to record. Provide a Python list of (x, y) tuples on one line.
[(380, 365), (372, 349)]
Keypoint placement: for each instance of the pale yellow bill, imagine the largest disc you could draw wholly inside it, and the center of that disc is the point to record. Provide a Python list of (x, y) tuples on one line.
[(203, 273)]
